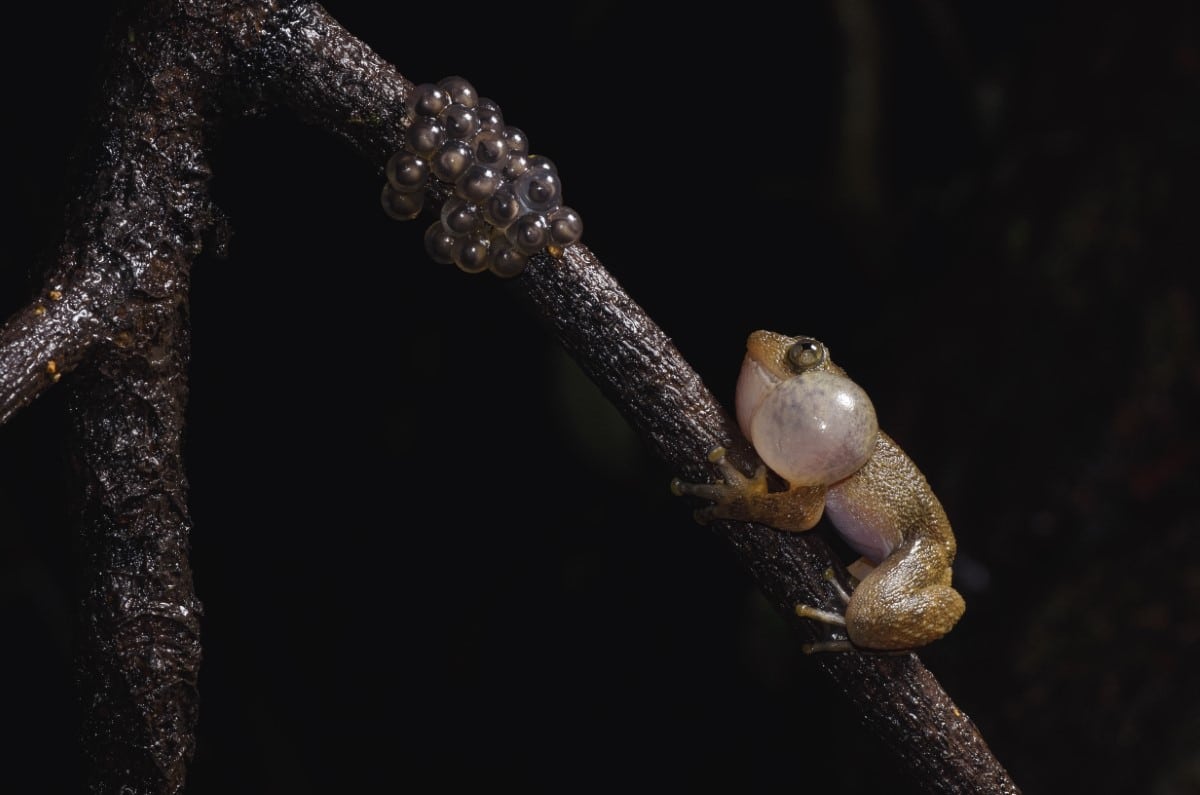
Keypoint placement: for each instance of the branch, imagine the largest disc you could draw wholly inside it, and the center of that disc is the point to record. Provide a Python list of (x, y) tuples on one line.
[(115, 311), (342, 86), (48, 338)]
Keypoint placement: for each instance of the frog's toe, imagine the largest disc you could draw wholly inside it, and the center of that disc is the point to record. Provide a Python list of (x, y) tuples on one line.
[(824, 616), (714, 492), (828, 645)]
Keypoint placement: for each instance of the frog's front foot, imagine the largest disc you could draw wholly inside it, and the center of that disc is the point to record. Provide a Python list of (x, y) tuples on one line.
[(732, 497), (747, 499)]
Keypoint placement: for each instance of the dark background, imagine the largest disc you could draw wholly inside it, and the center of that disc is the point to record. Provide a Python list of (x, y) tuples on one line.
[(987, 210)]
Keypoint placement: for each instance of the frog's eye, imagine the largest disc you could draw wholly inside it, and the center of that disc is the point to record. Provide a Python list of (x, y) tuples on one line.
[(805, 354)]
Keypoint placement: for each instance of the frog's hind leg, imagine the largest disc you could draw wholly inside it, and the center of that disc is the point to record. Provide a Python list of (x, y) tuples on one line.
[(905, 602), (903, 620)]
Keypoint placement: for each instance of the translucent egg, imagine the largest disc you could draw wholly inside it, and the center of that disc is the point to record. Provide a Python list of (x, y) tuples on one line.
[(460, 122), (538, 189), (502, 208), (401, 206), (529, 233), (471, 253), (428, 100), (451, 161), (566, 227), (518, 143), (425, 136), (439, 244), (461, 217), (490, 149), (515, 166), (406, 172), (490, 117), (477, 183), (460, 90), (506, 260)]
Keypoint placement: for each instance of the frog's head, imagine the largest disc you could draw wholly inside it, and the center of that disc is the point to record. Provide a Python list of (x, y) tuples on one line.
[(805, 417)]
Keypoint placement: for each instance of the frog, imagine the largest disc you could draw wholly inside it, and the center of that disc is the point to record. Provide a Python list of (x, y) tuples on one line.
[(817, 429)]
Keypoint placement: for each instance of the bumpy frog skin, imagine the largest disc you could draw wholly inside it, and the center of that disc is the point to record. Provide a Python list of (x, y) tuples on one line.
[(816, 428)]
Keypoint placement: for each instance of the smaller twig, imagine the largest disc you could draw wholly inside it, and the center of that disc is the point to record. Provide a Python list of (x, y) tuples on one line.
[(47, 339)]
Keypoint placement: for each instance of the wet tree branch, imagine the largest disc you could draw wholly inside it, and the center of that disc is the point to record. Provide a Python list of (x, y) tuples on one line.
[(115, 307)]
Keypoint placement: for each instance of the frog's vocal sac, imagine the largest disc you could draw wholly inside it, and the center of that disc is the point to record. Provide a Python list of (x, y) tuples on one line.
[(816, 428)]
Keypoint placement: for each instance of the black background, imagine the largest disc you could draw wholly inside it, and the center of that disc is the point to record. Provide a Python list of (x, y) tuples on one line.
[(427, 546)]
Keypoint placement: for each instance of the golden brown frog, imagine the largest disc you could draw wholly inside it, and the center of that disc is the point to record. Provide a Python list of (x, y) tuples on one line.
[(816, 428)]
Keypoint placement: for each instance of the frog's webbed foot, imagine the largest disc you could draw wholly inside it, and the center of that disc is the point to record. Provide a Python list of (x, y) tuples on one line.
[(828, 617), (731, 497), (887, 614)]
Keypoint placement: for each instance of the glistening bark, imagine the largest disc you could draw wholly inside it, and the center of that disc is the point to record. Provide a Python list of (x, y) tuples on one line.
[(114, 309)]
